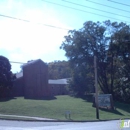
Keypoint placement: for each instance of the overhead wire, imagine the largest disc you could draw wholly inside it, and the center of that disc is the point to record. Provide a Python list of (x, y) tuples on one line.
[(24, 20), (108, 6), (119, 3), (13, 62), (84, 11), (66, 7), (17, 62), (95, 8)]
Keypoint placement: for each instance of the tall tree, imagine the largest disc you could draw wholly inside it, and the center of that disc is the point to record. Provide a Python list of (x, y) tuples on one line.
[(80, 47), (102, 40), (120, 47)]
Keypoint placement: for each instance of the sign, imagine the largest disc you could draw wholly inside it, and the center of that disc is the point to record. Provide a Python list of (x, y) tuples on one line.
[(68, 114), (105, 101)]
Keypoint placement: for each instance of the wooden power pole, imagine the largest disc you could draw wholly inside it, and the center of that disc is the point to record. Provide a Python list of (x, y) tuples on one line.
[(96, 87)]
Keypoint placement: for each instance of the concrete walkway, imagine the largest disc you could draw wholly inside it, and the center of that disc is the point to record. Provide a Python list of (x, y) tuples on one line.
[(26, 117)]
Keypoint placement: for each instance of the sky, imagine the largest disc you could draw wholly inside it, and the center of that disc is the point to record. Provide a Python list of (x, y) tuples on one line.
[(21, 41)]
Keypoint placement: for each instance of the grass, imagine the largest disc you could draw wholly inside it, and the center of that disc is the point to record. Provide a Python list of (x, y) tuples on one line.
[(56, 108)]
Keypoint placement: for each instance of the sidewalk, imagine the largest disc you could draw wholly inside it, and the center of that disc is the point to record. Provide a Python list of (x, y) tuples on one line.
[(28, 117)]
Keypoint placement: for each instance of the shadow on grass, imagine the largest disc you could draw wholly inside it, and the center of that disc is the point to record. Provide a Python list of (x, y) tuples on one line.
[(117, 105), (86, 98), (111, 111), (68, 117), (122, 106), (43, 98), (7, 99)]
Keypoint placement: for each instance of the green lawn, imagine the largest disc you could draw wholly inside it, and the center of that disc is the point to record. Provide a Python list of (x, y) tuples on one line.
[(56, 108)]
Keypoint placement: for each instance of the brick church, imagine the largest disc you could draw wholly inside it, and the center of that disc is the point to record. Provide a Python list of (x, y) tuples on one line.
[(33, 82)]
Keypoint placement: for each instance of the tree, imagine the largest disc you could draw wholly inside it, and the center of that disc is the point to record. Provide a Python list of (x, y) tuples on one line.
[(6, 76), (120, 47), (104, 40), (80, 47), (59, 70)]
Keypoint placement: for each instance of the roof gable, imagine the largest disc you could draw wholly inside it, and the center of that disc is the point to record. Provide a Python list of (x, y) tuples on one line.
[(33, 62)]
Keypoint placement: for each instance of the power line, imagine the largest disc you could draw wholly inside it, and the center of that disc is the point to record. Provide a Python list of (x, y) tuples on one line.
[(83, 11), (108, 6), (13, 62), (24, 20), (94, 8), (119, 3), (17, 62)]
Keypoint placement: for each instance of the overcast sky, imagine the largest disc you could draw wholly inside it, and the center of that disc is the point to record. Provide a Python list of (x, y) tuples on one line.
[(22, 41)]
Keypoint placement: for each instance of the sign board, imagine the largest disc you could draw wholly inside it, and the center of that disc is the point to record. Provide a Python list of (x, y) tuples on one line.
[(68, 114), (105, 101)]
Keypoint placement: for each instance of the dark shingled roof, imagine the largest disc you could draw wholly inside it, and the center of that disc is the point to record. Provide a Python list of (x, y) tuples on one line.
[(58, 81), (32, 62)]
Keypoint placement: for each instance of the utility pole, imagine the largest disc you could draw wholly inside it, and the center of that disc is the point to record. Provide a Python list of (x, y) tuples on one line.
[(96, 87)]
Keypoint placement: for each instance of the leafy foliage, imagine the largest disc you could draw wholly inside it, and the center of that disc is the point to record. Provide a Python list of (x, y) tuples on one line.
[(59, 70), (110, 43), (6, 76)]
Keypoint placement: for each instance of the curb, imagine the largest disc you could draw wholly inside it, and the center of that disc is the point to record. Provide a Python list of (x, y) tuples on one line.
[(60, 120)]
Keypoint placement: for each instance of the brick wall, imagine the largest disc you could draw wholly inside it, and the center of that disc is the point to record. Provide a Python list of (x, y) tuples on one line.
[(36, 80), (58, 89), (18, 88)]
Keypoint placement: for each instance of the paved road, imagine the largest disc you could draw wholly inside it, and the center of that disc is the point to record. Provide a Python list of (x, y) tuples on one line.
[(22, 125)]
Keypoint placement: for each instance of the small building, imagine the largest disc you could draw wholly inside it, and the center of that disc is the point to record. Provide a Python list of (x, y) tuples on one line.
[(35, 78), (33, 82), (18, 87), (58, 87)]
